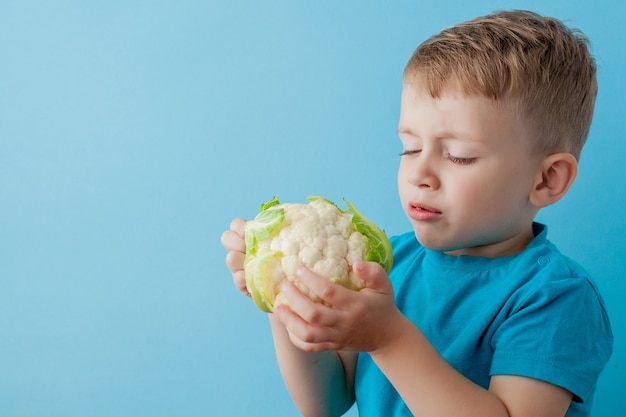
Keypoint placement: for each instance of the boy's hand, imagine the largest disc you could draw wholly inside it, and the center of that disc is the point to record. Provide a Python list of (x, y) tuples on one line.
[(351, 320), (233, 241)]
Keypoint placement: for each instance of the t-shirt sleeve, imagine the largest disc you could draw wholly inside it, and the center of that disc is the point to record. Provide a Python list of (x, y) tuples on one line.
[(559, 333)]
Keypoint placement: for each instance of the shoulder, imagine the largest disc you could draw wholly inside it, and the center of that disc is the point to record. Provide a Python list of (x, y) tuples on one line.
[(542, 262), (547, 275), (547, 270), (556, 327)]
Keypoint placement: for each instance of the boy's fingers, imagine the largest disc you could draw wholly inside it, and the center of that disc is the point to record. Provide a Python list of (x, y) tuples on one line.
[(238, 226), (239, 279), (304, 335), (234, 260), (322, 287), (232, 241), (372, 273), (305, 308)]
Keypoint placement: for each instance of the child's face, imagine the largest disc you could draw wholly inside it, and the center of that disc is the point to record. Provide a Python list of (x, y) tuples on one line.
[(466, 173)]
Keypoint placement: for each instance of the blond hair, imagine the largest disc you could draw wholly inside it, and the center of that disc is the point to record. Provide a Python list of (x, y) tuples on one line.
[(544, 67)]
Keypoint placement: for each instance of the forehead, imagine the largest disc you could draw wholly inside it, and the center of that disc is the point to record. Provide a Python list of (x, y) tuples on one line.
[(453, 97), (455, 115), (416, 100)]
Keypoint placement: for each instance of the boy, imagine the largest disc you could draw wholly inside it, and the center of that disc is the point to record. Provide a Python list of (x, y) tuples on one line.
[(488, 318)]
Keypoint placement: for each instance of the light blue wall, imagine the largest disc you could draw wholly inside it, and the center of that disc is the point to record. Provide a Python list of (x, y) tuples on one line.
[(131, 132)]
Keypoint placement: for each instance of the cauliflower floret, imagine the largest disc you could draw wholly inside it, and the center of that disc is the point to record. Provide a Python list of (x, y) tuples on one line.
[(317, 235), (314, 235)]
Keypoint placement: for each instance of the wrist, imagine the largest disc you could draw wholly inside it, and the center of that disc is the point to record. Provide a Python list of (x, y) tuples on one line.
[(392, 332)]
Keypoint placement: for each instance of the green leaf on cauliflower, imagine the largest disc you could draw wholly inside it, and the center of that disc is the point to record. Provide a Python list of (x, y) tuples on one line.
[(266, 223), (380, 248), (273, 202), (261, 278)]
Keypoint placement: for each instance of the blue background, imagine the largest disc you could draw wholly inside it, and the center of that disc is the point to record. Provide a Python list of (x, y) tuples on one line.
[(132, 132)]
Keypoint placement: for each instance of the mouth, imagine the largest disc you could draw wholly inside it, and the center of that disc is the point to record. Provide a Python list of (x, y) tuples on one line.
[(419, 211)]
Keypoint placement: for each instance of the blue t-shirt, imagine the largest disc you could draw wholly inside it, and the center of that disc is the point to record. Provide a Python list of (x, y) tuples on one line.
[(534, 314)]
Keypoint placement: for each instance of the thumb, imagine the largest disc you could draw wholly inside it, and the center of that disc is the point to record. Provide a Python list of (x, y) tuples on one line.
[(373, 275)]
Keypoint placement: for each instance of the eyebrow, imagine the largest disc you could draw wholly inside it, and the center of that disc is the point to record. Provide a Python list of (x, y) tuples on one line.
[(444, 135)]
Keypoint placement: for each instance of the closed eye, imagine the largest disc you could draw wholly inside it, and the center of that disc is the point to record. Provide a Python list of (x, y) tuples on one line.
[(461, 161), (411, 152)]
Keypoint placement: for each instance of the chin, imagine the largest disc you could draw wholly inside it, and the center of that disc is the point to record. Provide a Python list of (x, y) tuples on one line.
[(436, 244), (432, 244)]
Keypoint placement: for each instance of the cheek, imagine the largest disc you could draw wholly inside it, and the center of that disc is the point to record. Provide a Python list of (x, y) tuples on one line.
[(473, 197), (479, 193), (405, 191), (406, 172), (492, 197), (401, 179)]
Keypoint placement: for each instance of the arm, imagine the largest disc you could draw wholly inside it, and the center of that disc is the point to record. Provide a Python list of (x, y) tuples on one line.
[(369, 321), (430, 386), (320, 383)]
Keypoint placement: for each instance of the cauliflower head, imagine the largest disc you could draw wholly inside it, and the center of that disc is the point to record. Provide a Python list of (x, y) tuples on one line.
[(317, 235)]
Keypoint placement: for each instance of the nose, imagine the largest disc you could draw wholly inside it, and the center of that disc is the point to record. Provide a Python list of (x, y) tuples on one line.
[(422, 173)]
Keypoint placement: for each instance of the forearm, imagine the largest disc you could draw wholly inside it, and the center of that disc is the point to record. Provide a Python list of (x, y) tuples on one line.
[(426, 382), (316, 380)]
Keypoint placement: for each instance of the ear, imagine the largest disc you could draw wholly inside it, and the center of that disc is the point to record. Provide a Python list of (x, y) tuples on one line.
[(557, 174)]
